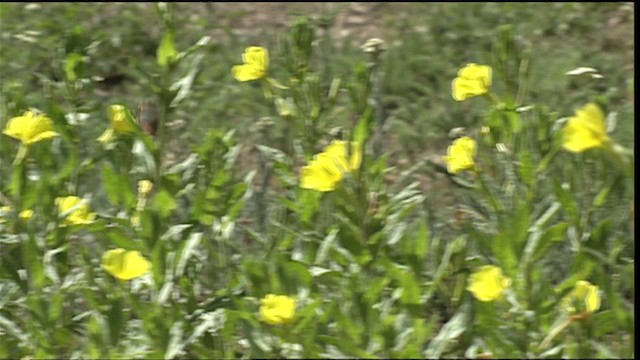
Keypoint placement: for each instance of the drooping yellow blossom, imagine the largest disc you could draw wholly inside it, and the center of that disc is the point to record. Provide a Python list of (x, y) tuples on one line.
[(25, 214), (78, 210), (585, 130), (583, 297), (118, 119), (460, 155), (119, 124), (256, 62), (144, 187), (30, 128), (277, 309), (472, 80), (125, 264), (487, 283), (327, 169)]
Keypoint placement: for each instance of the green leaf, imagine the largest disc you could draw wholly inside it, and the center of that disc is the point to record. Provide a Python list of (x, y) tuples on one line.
[(537, 239), (273, 154), (187, 251), (568, 201), (445, 261), (602, 195), (552, 235), (422, 242), (605, 322), (183, 86), (203, 42), (11, 329), (174, 348), (449, 333), (363, 128), (145, 151), (158, 259), (514, 120), (167, 49), (526, 169), (117, 187), (294, 273), (326, 246), (70, 64), (410, 289), (164, 203), (33, 260), (116, 320)]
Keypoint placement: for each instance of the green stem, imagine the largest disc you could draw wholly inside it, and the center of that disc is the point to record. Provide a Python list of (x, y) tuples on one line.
[(522, 84), (22, 153), (483, 186), (557, 330), (493, 99), (376, 80), (165, 108)]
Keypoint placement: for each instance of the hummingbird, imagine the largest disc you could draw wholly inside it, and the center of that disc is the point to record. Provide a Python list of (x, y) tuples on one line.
[(148, 117)]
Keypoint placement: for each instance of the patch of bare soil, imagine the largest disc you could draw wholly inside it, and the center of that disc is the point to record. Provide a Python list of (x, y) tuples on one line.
[(360, 20)]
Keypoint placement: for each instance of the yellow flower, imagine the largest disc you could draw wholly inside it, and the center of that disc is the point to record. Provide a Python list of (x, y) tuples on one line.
[(472, 80), (25, 214), (585, 130), (326, 169), (124, 264), (256, 62), (118, 119), (584, 296), (30, 128), (78, 210), (487, 283), (277, 309), (144, 187), (119, 124), (460, 155)]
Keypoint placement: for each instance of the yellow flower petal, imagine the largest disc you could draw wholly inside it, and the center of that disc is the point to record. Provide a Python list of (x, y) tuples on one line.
[(317, 177), (124, 264), (245, 73), (256, 62), (118, 118), (327, 169), (460, 155), (472, 80), (584, 296), (338, 151), (77, 209), (277, 309), (30, 128), (585, 130), (25, 214), (487, 283)]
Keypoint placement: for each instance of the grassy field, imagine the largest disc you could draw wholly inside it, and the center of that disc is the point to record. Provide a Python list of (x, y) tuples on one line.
[(345, 157)]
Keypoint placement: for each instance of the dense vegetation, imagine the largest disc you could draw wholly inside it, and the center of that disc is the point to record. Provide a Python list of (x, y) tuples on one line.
[(460, 185)]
